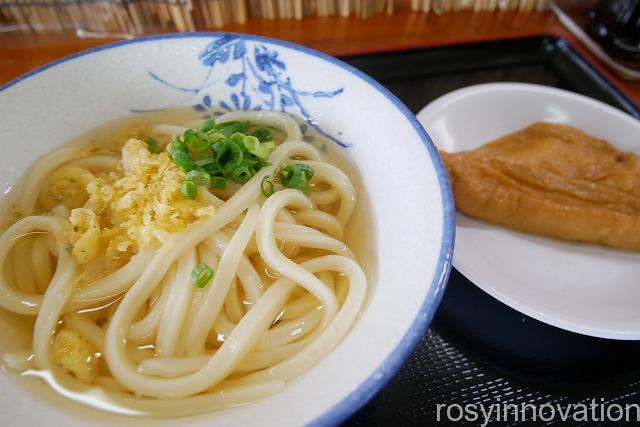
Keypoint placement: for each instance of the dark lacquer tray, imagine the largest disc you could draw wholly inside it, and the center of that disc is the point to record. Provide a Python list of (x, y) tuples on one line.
[(479, 350)]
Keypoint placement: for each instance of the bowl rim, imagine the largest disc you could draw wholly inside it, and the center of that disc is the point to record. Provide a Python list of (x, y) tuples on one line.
[(365, 391)]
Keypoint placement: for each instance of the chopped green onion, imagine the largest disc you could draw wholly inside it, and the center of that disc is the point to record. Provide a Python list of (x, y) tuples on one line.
[(259, 149), (152, 145), (296, 176), (270, 190), (204, 162), (208, 125), (179, 155), (217, 152), (230, 128), (199, 177), (242, 174), (237, 138), (262, 134), (188, 189), (218, 145), (212, 169), (229, 155), (178, 145), (261, 164), (250, 162), (215, 136), (201, 275), (195, 140), (218, 183), (182, 160)]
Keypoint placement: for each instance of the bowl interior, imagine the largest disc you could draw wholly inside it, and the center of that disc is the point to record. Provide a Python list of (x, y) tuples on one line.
[(582, 288), (405, 203)]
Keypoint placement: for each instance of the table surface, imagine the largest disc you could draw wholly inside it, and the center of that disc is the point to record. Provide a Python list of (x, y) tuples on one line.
[(21, 52)]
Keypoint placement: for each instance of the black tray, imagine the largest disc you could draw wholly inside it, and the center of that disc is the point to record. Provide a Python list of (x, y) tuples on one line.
[(479, 350)]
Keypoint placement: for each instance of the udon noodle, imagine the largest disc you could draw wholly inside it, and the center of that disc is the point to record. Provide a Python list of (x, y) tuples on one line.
[(116, 310)]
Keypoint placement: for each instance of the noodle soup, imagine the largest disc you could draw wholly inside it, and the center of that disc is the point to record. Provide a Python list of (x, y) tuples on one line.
[(167, 266)]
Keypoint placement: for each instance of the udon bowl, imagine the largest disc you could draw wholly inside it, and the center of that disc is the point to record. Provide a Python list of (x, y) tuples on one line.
[(404, 219)]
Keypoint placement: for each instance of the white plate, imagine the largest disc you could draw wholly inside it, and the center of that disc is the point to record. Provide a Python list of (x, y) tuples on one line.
[(583, 288)]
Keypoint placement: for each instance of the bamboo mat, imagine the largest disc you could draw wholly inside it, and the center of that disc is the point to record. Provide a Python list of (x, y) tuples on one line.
[(131, 17), (442, 6)]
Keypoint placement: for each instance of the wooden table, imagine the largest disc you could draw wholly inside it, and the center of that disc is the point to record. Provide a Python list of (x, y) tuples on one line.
[(21, 52)]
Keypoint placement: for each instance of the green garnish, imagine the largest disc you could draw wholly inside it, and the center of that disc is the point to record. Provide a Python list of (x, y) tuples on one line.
[(229, 128), (201, 275), (257, 148), (188, 189), (218, 183), (229, 155), (296, 176), (199, 177), (215, 136), (262, 134), (241, 174), (183, 161), (178, 145), (208, 125), (195, 140), (152, 145), (180, 157), (204, 162), (218, 152), (271, 189), (237, 137)]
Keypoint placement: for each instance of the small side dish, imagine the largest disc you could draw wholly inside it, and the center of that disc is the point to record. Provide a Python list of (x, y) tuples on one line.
[(553, 180), (585, 288)]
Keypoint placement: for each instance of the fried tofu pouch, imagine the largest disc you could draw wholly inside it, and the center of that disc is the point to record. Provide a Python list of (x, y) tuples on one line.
[(552, 180)]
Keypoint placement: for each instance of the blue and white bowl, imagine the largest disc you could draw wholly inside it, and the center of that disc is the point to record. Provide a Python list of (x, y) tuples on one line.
[(404, 191)]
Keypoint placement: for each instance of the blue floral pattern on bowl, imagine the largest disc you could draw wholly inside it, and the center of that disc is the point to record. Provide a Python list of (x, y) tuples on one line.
[(258, 80)]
